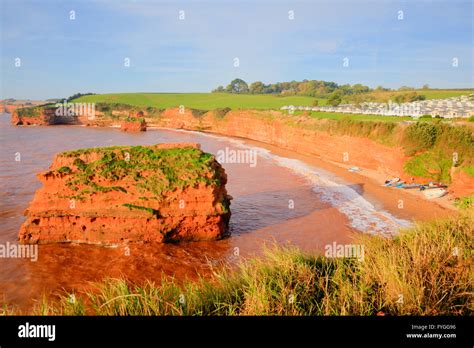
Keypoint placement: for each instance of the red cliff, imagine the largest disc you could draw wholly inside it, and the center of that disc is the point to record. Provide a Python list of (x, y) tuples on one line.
[(33, 116), (135, 125), (161, 193), (305, 135)]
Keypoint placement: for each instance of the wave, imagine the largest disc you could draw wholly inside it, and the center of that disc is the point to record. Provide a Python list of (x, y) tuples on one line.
[(363, 215)]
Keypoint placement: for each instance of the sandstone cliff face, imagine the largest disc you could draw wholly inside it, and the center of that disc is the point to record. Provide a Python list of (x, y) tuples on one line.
[(33, 116), (46, 116), (297, 134), (277, 129), (133, 126), (161, 193)]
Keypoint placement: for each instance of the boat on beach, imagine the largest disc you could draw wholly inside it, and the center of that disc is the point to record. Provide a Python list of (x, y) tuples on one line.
[(434, 192), (408, 186), (391, 182)]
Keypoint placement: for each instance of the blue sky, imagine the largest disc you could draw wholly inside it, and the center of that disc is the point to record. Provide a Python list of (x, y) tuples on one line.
[(60, 57)]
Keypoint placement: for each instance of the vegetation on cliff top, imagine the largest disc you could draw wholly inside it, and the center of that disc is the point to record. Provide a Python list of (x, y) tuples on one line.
[(32, 111), (434, 147), (152, 170), (426, 270)]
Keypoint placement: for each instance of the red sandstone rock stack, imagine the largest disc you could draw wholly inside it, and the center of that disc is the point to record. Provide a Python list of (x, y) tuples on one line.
[(134, 123), (133, 126), (43, 118), (95, 196)]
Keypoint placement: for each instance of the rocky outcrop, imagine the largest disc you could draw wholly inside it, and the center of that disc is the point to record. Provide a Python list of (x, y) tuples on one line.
[(134, 125), (161, 193), (49, 115), (33, 116)]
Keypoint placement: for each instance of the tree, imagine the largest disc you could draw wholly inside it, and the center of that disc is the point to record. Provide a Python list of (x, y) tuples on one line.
[(335, 99), (219, 89), (426, 86), (77, 95), (257, 87), (237, 86), (408, 97), (358, 88), (315, 102)]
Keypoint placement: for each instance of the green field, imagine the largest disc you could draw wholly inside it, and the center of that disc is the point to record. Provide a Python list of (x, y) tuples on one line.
[(444, 93), (203, 101)]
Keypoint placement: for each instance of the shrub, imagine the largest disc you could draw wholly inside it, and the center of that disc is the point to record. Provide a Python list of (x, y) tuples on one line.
[(456, 139), (198, 113), (28, 112), (471, 119), (408, 97), (64, 170), (469, 170), (420, 136), (465, 202), (221, 112), (335, 99), (433, 165)]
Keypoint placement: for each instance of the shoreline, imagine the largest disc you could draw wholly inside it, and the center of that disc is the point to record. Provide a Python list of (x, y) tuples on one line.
[(415, 205)]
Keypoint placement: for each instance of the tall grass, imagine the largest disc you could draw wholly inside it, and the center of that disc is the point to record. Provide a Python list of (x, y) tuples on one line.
[(426, 270)]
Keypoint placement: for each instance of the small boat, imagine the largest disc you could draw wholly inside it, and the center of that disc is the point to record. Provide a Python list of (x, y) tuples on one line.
[(408, 186), (391, 182), (437, 185), (434, 193), (354, 169)]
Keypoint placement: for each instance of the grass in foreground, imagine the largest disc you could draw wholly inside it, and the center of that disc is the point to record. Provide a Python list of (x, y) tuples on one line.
[(427, 270)]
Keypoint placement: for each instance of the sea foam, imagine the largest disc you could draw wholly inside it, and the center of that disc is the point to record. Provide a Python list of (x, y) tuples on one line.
[(363, 215)]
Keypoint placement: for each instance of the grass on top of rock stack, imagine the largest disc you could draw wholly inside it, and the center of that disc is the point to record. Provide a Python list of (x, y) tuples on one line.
[(426, 270), (154, 170)]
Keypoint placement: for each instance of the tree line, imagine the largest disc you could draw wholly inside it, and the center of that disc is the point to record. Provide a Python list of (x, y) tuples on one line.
[(334, 92), (312, 88)]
